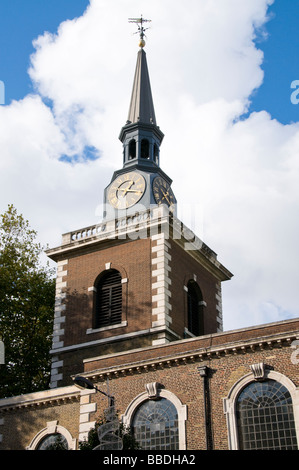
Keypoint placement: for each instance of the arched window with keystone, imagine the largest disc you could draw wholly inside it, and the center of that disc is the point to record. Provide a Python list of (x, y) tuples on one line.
[(108, 306)]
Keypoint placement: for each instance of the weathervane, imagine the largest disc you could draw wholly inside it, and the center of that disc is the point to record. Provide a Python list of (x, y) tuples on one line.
[(141, 29)]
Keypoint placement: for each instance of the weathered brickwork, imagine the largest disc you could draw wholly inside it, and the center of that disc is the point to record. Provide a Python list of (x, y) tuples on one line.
[(148, 352), (155, 271), (185, 268), (179, 374), (133, 261), (175, 366), (22, 419)]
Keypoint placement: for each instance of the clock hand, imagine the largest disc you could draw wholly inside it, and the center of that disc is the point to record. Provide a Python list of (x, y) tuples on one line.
[(134, 191), (129, 190), (128, 187), (165, 196)]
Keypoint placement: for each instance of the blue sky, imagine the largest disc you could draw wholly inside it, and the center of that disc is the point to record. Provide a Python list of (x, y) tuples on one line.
[(281, 62), (22, 21), (235, 170)]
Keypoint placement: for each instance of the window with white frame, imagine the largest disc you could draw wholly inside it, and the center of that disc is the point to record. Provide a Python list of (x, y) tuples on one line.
[(53, 442), (53, 437), (265, 417), (262, 411), (108, 307), (157, 418), (155, 425)]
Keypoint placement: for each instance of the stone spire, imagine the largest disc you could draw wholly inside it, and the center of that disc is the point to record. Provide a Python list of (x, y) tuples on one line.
[(141, 136), (140, 184), (141, 106)]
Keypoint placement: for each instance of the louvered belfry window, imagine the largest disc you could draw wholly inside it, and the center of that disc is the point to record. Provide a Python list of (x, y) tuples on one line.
[(108, 299), (195, 309)]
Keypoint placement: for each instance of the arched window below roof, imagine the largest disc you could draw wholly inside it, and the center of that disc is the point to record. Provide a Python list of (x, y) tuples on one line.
[(158, 419), (53, 437), (265, 417), (145, 149), (195, 306), (53, 442), (132, 149), (262, 412), (156, 154), (108, 305), (155, 425)]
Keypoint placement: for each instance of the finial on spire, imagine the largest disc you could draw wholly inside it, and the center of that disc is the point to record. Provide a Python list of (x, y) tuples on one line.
[(141, 29)]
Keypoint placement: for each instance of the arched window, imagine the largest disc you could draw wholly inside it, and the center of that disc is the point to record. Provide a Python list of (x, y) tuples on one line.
[(132, 149), (155, 425), (195, 309), (108, 308), (145, 148), (157, 418), (53, 442), (265, 419), (53, 437), (156, 154)]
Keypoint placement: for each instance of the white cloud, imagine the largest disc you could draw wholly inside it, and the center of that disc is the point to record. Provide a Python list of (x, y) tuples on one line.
[(239, 176)]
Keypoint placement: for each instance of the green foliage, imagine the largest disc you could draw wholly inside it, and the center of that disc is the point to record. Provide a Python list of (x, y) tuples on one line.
[(129, 442), (58, 444), (27, 297)]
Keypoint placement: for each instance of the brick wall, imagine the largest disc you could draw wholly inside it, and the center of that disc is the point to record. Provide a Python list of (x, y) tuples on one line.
[(21, 424), (180, 375), (184, 268), (175, 366), (133, 261)]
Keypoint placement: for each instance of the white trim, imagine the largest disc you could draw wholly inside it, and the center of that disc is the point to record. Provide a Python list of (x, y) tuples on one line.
[(109, 340), (104, 328), (127, 418), (229, 403), (188, 333), (59, 318), (219, 306), (86, 407), (53, 428), (36, 398), (161, 281), (92, 289)]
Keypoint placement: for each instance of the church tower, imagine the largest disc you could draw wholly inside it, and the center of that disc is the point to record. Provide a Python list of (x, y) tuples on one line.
[(141, 180), (140, 278)]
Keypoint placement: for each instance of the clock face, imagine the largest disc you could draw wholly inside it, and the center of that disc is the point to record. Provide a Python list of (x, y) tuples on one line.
[(126, 190), (162, 192)]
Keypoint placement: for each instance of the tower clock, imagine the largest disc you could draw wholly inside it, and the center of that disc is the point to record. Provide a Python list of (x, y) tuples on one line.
[(126, 190)]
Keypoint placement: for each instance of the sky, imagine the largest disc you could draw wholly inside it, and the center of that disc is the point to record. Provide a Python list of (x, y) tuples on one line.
[(225, 82)]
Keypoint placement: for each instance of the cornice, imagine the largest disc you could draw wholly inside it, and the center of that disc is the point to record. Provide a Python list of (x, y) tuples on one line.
[(149, 222), (52, 397), (204, 354)]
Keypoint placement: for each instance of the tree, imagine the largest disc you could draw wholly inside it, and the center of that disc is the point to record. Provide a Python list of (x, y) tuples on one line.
[(27, 297), (129, 442), (59, 443)]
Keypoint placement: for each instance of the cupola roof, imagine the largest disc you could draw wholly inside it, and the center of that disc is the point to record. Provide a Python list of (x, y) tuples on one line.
[(141, 106)]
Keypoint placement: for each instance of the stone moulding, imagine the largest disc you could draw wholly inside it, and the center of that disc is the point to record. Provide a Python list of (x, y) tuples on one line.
[(195, 355), (45, 398), (258, 370), (229, 407)]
